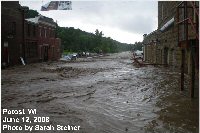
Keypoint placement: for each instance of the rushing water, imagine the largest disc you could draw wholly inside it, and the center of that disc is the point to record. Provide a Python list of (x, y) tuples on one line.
[(118, 98)]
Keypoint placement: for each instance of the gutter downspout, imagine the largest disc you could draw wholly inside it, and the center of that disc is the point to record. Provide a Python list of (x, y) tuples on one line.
[(23, 33), (167, 25)]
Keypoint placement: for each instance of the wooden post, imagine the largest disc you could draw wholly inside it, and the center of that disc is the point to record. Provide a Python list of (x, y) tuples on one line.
[(178, 24), (182, 69), (192, 76), (192, 85)]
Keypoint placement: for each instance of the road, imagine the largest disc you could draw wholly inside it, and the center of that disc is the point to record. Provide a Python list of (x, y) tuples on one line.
[(106, 94)]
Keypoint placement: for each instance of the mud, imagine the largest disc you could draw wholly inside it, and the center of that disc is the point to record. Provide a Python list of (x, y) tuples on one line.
[(106, 94)]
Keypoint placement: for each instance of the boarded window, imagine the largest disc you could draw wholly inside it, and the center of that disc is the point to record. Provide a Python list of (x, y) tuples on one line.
[(12, 28), (40, 32), (162, 12), (31, 50), (29, 30), (52, 33), (53, 52), (45, 33), (34, 30)]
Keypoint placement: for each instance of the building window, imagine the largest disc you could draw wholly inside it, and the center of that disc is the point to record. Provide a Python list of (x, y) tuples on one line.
[(49, 33), (12, 28), (53, 52), (34, 30), (195, 11), (40, 52), (31, 50), (162, 12), (194, 16), (52, 33), (45, 33), (6, 44), (29, 30), (40, 32)]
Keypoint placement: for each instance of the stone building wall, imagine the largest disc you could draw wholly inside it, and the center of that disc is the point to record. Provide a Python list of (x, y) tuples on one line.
[(151, 47), (169, 38), (176, 46), (171, 53), (165, 49)]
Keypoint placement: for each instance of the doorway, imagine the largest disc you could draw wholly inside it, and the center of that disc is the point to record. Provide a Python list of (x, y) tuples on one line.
[(45, 54), (166, 56)]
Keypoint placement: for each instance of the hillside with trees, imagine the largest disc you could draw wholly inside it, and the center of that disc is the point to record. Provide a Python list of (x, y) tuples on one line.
[(76, 40)]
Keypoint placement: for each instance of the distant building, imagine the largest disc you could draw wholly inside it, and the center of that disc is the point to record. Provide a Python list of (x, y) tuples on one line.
[(12, 19), (151, 48)]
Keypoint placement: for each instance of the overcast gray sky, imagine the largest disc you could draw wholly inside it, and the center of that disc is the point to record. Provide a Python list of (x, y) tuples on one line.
[(124, 21)]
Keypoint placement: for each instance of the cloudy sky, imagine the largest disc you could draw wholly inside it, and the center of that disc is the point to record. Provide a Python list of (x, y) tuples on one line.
[(124, 21)]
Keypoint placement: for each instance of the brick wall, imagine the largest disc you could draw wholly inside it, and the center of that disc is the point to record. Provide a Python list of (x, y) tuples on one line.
[(11, 32), (31, 42), (46, 38), (41, 43)]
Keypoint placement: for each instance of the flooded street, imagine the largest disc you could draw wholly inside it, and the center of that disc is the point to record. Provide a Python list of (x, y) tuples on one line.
[(106, 94)]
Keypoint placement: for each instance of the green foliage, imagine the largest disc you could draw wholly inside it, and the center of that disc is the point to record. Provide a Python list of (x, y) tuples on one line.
[(31, 13), (137, 46), (65, 52), (77, 40)]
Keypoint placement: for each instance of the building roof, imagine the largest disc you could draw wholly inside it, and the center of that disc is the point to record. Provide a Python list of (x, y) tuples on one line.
[(33, 20), (151, 37), (42, 20)]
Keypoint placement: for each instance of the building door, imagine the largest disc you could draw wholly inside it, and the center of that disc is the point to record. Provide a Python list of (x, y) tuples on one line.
[(45, 53), (173, 58), (166, 56)]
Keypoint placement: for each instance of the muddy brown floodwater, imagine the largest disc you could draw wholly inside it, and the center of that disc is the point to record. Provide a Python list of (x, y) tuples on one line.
[(101, 95)]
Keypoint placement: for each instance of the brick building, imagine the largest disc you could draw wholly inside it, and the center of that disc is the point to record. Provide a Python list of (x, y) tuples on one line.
[(41, 41), (32, 39), (31, 42), (176, 42), (12, 19)]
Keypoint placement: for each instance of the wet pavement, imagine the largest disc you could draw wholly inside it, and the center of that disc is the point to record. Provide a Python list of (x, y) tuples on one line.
[(107, 94)]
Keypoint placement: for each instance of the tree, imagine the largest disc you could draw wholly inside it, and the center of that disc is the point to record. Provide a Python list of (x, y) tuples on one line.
[(76, 40), (138, 46), (31, 13), (98, 40)]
